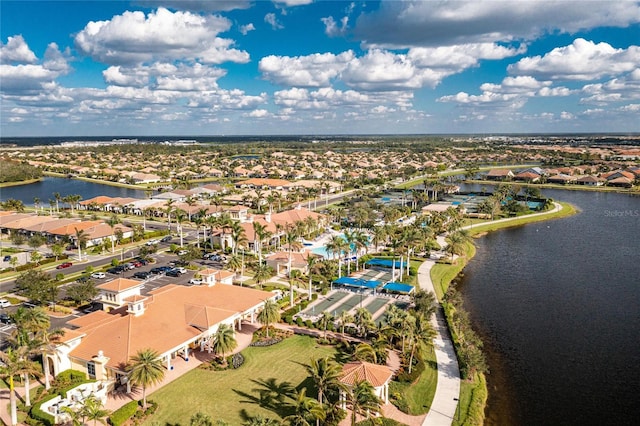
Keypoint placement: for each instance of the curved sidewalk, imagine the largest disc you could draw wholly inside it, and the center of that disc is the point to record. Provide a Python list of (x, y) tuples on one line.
[(445, 401)]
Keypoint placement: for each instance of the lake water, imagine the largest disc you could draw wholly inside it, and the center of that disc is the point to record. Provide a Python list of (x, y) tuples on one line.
[(557, 304), (44, 190)]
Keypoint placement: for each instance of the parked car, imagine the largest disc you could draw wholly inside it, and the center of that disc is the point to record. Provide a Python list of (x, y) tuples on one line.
[(116, 270), (143, 275), (5, 319), (180, 269), (4, 303), (129, 266), (173, 273), (165, 239), (136, 264), (98, 275), (195, 281), (64, 265), (152, 242), (141, 261), (6, 258), (182, 252)]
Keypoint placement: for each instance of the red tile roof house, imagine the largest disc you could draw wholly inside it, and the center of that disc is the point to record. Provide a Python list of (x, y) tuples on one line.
[(500, 174), (173, 320)]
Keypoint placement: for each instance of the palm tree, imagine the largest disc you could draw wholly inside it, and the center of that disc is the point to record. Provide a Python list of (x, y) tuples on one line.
[(180, 216), (325, 374), (337, 246), (311, 262), (362, 399), (168, 210), (291, 236), (365, 352), (58, 198), (263, 273), (270, 313), (456, 243), (344, 319), (200, 419), (81, 241), (201, 220), (238, 236), (261, 233), (93, 410), (145, 369), (14, 363), (224, 340), (325, 319), (307, 411), (112, 222), (363, 321), (421, 334)]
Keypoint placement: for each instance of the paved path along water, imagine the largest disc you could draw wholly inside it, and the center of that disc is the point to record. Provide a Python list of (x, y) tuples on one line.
[(445, 401)]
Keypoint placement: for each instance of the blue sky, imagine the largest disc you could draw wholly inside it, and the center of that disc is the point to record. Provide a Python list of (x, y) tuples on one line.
[(189, 67)]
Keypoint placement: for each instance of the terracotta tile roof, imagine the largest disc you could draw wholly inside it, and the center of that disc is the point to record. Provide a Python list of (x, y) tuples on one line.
[(135, 298), (100, 199), (68, 336), (12, 216), (173, 316), (71, 228), (119, 284), (29, 221), (376, 375)]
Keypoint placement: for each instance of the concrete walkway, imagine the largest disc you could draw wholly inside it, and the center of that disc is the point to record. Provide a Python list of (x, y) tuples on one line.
[(445, 401)]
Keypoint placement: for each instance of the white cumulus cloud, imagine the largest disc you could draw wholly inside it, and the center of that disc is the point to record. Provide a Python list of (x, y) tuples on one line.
[(271, 19), (402, 24), (16, 50), (304, 71), (245, 29), (133, 38), (581, 60)]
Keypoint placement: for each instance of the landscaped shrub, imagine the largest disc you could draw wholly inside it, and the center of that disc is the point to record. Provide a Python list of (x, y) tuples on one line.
[(237, 360), (152, 406), (37, 414), (416, 371), (266, 342), (308, 323), (299, 321), (413, 271), (123, 413), (288, 319), (66, 378)]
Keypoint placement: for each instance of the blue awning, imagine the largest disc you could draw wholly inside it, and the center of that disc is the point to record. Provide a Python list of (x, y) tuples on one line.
[(387, 263), (399, 287), (355, 282)]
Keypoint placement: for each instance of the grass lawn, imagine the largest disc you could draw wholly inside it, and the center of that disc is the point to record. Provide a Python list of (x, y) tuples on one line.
[(443, 273), (224, 395), (419, 395)]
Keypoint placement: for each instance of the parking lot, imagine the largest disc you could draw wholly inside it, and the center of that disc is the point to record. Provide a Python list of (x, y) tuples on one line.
[(154, 282)]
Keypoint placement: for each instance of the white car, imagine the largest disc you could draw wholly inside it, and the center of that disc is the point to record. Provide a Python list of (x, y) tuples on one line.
[(98, 275), (152, 242), (182, 252), (4, 303), (195, 281)]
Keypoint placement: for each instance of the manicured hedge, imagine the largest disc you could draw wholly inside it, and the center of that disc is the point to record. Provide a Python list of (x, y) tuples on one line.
[(123, 413), (46, 418)]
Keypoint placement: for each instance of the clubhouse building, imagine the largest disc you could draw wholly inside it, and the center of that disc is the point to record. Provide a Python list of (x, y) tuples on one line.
[(173, 320)]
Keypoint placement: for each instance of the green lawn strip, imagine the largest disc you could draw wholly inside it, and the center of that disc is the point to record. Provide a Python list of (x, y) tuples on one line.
[(473, 398), (225, 394), (567, 210), (568, 187), (18, 183), (419, 395), (443, 273)]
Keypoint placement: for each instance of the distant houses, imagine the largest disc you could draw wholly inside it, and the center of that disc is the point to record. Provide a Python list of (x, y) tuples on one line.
[(578, 175)]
